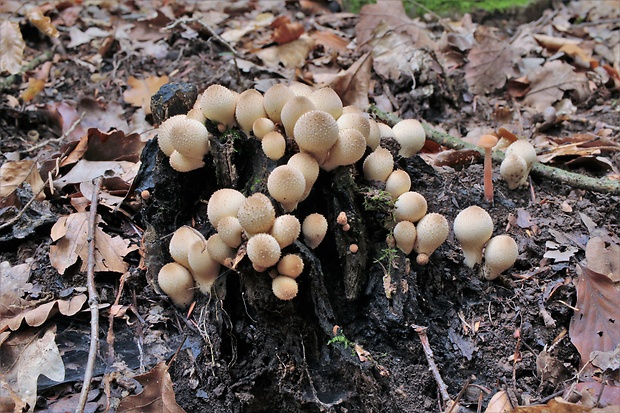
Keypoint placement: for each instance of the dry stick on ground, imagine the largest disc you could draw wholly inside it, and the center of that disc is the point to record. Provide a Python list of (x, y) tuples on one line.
[(93, 299), (569, 178), (9, 80)]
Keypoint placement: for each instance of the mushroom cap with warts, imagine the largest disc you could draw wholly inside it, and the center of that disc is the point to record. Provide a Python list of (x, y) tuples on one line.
[(181, 163), (218, 104), (314, 228), (187, 136), (351, 109), (180, 242), (283, 287), (286, 185), (524, 149), (256, 214), (291, 265), (500, 253), (300, 89), (223, 202), (398, 183), (204, 269), (264, 251), (348, 149), (177, 283), (274, 145), (514, 170), (164, 132), (262, 126), (308, 166), (374, 135), (230, 231), (378, 165), (274, 99), (410, 134), (473, 227), (286, 229), (316, 132), (327, 99), (432, 231), (357, 121), (249, 108), (385, 131), (405, 235), (219, 251), (292, 111), (410, 206)]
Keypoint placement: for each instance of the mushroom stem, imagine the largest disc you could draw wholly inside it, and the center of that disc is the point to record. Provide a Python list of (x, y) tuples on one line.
[(488, 176)]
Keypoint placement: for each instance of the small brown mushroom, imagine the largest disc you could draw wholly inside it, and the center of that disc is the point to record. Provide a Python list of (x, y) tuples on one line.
[(488, 142)]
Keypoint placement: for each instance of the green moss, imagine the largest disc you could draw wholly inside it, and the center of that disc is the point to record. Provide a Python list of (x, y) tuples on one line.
[(444, 7)]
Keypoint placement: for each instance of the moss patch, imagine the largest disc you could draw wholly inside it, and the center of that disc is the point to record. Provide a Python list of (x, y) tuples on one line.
[(445, 7)]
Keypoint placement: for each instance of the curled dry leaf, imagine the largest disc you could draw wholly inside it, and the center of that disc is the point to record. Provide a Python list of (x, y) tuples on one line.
[(41, 22), (34, 317), (285, 31), (11, 47), (499, 403), (551, 81), (14, 174)]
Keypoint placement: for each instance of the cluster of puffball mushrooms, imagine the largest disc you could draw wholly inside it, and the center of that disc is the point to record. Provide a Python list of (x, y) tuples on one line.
[(328, 135)]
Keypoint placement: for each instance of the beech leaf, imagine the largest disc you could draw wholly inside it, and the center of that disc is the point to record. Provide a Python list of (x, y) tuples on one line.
[(157, 395), (594, 327), (11, 47), (14, 174), (549, 83), (13, 317), (141, 90)]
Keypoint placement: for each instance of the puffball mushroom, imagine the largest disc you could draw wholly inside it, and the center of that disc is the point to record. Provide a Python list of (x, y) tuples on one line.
[(410, 134), (385, 131), (316, 132), (432, 231), (274, 99), (291, 265), (314, 229), (292, 110), (374, 136), (274, 145), (514, 170), (249, 108), (405, 235), (180, 242), (219, 251), (203, 268), (285, 288), (181, 163), (230, 231), (262, 126), (187, 136), (410, 206), (308, 166), (488, 142), (256, 214), (378, 165), (164, 133), (177, 283), (264, 251), (300, 89), (327, 99), (398, 183), (348, 149), (286, 185), (218, 104), (500, 254), (473, 227), (286, 229), (224, 202), (357, 121)]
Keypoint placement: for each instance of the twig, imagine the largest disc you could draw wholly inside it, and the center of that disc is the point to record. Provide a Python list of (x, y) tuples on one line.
[(428, 352), (93, 299), (24, 208), (9, 80), (60, 138), (569, 178)]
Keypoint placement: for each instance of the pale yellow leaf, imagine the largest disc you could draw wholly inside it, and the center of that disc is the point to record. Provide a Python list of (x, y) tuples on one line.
[(291, 55), (41, 22), (141, 90), (499, 403), (13, 174), (11, 47), (35, 317)]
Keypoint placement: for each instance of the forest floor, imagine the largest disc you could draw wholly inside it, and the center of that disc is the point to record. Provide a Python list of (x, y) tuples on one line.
[(525, 340)]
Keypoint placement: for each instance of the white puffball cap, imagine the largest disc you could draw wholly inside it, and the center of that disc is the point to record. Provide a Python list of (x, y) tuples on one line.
[(290, 265), (432, 231), (204, 269), (357, 121), (285, 288), (286, 185), (348, 149), (292, 111), (181, 163), (224, 202), (398, 183), (249, 108), (262, 126), (473, 227), (180, 242), (314, 228), (410, 134), (316, 132), (374, 135), (274, 99), (218, 104), (230, 231), (327, 99), (177, 283), (286, 229), (500, 253), (410, 206), (219, 251), (274, 145), (256, 214), (263, 250), (405, 235), (378, 165), (514, 170), (308, 166)]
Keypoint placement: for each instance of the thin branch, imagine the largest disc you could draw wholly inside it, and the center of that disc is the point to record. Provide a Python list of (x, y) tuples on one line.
[(24, 208), (9, 80), (60, 138), (93, 299), (575, 180), (428, 352)]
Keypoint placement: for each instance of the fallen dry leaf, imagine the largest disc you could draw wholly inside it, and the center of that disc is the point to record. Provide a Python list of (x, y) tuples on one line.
[(41, 22), (71, 234), (157, 395), (14, 281), (558, 405), (79, 37), (34, 317), (603, 260), (14, 174), (34, 87), (291, 55), (141, 90), (86, 171), (499, 403), (25, 357), (593, 393), (549, 83), (594, 327), (11, 47), (352, 85), (491, 62), (330, 40), (285, 31)]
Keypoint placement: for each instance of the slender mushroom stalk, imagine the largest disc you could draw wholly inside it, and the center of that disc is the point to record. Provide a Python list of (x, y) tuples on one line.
[(487, 142)]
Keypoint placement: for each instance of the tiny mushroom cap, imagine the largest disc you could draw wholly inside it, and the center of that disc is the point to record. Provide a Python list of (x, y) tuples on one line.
[(500, 254), (180, 242), (309, 167), (285, 288), (378, 165), (514, 170), (274, 145), (374, 136), (291, 265), (300, 89), (177, 283), (275, 98), (286, 229), (410, 206), (488, 142), (473, 227), (249, 108), (410, 134), (181, 163), (164, 133), (385, 131), (405, 235), (230, 231), (218, 104), (314, 229), (286, 185), (224, 202), (328, 100), (256, 214), (526, 151), (292, 110), (357, 121), (432, 231), (204, 269), (316, 132), (398, 183), (264, 251), (348, 149), (219, 251), (262, 126)]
